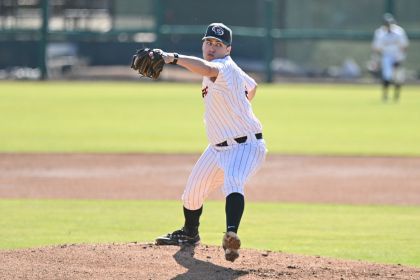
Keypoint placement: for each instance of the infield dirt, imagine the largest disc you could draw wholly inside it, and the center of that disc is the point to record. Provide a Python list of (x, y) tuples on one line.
[(312, 179), (350, 180)]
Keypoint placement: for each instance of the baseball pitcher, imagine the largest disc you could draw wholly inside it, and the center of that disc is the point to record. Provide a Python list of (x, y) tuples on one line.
[(236, 147)]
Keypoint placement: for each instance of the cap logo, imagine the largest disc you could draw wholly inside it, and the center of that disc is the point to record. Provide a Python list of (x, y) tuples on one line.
[(218, 30)]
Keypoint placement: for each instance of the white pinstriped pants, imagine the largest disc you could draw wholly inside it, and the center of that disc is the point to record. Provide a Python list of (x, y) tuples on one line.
[(229, 167)]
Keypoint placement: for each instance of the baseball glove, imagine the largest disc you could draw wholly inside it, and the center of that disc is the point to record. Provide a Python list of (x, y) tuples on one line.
[(148, 63)]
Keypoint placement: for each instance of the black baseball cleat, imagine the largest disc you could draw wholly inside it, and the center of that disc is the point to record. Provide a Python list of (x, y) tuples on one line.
[(178, 238)]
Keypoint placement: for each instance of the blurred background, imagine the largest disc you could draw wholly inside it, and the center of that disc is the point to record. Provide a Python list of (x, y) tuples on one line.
[(275, 40)]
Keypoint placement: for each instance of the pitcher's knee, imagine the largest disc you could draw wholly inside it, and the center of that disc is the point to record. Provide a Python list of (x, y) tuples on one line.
[(227, 190), (192, 201), (234, 180)]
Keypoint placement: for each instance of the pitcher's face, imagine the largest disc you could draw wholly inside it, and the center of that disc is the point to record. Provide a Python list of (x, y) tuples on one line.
[(213, 49)]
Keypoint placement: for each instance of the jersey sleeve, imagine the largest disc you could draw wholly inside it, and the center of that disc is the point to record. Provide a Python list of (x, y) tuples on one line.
[(223, 69), (250, 83), (226, 70)]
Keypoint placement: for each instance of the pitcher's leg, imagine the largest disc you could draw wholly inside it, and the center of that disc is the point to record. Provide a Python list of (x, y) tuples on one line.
[(239, 164), (192, 220), (231, 243), (205, 176), (234, 208)]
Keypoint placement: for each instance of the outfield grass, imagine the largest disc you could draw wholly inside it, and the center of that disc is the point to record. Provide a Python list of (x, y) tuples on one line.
[(385, 234), (161, 117)]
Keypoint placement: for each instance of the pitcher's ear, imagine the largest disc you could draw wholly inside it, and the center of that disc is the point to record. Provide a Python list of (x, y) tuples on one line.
[(229, 49)]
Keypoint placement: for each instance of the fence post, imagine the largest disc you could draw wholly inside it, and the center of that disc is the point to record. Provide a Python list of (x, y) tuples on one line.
[(390, 6), (268, 50), (158, 11), (43, 41)]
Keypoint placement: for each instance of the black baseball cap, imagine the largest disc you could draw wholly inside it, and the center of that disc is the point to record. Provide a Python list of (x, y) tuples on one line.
[(220, 32)]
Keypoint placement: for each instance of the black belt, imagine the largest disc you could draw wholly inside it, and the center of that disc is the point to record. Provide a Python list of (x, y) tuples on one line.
[(239, 140)]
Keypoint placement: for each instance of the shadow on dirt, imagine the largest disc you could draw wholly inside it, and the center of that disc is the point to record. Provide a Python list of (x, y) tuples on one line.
[(198, 269)]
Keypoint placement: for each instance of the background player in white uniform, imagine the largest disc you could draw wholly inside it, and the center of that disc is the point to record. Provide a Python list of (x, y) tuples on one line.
[(390, 42), (236, 148)]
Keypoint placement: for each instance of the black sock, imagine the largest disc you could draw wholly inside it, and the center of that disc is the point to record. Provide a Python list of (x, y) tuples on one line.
[(235, 204), (192, 220)]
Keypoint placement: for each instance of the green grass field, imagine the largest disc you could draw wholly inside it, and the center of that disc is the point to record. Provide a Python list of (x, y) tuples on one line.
[(161, 117), (386, 234)]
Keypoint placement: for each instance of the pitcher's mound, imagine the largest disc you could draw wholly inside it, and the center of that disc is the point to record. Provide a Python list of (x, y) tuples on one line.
[(147, 261)]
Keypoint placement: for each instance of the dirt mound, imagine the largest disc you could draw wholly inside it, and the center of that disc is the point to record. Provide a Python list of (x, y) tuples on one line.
[(147, 261)]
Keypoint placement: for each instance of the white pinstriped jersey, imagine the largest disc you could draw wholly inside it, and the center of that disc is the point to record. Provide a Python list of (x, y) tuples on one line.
[(228, 112)]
